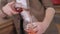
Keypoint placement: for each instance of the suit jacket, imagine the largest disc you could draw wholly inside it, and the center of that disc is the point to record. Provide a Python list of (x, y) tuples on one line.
[(38, 10)]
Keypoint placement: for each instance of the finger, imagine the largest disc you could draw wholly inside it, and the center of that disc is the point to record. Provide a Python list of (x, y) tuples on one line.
[(28, 26), (35, 27), (27, 30), (11, 3), (14, 12), (12, 8), (6, 11)]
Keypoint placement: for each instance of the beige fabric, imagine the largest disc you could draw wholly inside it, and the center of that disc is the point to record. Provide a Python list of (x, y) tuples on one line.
[(37, 9)]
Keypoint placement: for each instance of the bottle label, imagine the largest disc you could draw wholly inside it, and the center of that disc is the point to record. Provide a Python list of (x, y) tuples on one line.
[(23, 2)]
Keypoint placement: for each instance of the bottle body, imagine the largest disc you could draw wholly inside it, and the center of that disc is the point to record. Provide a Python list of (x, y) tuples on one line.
[(27, 17)]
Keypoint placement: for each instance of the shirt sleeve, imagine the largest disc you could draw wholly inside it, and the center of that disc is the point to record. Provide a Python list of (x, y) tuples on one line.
[(47, 3)]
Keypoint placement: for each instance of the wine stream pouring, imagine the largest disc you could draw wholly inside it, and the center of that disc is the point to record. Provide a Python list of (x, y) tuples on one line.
[(24, 6)]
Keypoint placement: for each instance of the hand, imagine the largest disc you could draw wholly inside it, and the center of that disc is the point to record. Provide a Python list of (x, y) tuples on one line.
[(9, 9), (35, 28)]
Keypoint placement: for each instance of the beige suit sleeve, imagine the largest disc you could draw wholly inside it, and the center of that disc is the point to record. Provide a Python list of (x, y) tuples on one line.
[(1, 14), (47, 3)]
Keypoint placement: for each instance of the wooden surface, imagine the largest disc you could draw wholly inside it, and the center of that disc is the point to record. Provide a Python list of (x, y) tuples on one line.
[(57, 8), (6, 25), (58, 27)]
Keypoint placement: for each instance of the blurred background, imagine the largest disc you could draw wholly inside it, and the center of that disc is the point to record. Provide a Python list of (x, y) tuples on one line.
[(6, 26)]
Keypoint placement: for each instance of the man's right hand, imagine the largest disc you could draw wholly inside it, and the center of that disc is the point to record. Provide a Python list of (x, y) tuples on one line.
[(9, 9)]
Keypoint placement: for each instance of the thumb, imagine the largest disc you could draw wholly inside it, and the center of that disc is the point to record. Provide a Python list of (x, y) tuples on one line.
[(11, 3)]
